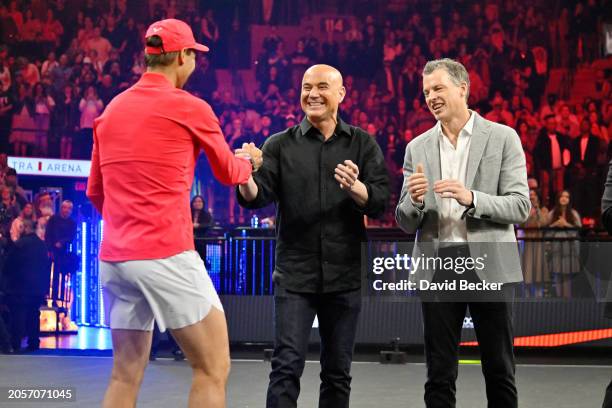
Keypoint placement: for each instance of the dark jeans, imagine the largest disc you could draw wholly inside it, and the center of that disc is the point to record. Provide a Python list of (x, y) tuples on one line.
[(443, 321), (5, 335), (294, 314), (608, 399), (25, 320)]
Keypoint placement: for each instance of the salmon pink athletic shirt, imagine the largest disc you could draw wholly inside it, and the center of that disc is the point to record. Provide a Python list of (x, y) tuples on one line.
[(146, 144)]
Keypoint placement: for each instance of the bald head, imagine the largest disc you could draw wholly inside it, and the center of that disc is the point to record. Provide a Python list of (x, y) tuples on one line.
[(322, 93), (333, 75)]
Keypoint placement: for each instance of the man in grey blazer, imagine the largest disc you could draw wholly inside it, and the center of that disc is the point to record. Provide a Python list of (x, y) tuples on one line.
[(465, 185)]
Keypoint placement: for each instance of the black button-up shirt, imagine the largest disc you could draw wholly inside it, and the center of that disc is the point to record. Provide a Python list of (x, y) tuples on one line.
[(319, 227)]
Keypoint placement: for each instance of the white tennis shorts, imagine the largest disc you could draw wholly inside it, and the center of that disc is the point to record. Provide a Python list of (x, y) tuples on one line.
[(176, 292)]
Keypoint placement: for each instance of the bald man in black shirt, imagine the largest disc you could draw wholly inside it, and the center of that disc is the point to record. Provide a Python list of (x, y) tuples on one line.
[(324, 176)]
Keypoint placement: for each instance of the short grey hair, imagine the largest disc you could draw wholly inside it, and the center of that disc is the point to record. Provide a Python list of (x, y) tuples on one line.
[(456, 71)]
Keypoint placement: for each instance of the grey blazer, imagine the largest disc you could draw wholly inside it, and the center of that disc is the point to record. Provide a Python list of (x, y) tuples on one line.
[(497, 175)]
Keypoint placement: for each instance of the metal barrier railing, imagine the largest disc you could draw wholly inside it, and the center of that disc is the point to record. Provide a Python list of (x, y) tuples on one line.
[(240, 261)]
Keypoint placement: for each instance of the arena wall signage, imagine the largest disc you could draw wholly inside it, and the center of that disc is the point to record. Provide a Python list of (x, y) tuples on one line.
[(32, 166)]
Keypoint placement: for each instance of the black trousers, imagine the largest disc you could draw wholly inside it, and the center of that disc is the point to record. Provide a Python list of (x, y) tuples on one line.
[(294, 314), (25, 320), (608, 398), (5, 335), (443, 321)]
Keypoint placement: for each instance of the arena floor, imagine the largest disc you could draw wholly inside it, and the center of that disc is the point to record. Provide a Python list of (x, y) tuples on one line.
[(166, 383)]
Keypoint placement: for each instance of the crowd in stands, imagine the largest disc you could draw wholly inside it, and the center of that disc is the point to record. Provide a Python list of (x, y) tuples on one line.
[(32, 237), (62, 61)]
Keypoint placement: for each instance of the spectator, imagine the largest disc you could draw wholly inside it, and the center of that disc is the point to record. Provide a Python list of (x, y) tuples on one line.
[(9, 33), (10, 180), (565, 253), (6, 111), (27, 281), (113, 58), (237, 57), (237, 136), (538, 215), (96, 63), (273, 77), (300, 60), (29, 71), (311, 44), (203, 81), (3, 166), (264, 132), (598, 128), (61, 73), (585, 153), (200, 215), (119, 79), (209, 33), (133, 44), (8, 212), (500, 114), (17, 227), (354, 34), (114, 35), (31, 30), (5, 72), (52, 30), (99, 44), (43, 107), (16, 15), (61, 231), (409, 81), (549, 154), (67, 118), (43, 205), (106, 89), (528, 141), (567, 122), (49, 64), (563, 215), (23, 126), (603, 87), (91, 107), (86, 31)]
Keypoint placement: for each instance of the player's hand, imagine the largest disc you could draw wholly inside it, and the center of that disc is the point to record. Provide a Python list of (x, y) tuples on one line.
[(251, 152)]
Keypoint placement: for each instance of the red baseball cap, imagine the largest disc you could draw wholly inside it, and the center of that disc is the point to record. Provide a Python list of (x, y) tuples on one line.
[(175, 34)]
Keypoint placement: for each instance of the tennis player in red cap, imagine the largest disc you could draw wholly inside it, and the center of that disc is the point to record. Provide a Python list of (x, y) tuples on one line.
[(145, 148)]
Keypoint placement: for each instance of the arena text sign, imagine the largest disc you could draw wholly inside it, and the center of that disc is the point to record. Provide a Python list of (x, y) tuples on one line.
[(32, 166)]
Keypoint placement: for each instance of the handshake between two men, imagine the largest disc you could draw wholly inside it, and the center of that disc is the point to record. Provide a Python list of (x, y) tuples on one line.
[(346, 173)]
